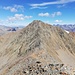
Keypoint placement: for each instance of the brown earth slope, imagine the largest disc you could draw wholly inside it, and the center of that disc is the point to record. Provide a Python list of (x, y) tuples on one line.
[(21, 52)]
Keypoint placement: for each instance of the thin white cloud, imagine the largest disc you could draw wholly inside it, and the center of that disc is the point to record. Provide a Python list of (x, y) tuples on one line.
[(51, 3), (44, 14), (54, 14), (60, 6), (14, 8), (58, 13), (18, 17), (38, 7), (58, 21)]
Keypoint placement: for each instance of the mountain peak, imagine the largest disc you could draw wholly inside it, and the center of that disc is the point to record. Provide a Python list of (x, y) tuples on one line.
[(37, 21)]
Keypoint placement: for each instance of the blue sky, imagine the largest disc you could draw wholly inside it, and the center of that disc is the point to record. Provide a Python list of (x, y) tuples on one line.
[(22, 12)]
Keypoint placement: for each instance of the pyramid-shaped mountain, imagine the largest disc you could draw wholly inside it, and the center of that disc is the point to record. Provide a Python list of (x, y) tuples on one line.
[(37, 49)]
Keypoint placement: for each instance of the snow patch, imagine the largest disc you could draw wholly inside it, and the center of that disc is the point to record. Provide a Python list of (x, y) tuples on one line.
[(67, 31)]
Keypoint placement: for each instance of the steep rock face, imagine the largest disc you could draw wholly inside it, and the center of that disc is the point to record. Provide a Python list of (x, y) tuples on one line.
[(36, 42)]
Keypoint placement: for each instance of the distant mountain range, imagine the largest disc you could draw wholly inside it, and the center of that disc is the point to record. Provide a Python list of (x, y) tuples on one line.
[(70, 27), (7, 29)]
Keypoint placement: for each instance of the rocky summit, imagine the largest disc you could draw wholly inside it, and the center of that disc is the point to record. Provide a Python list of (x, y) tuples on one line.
[(37, 49)]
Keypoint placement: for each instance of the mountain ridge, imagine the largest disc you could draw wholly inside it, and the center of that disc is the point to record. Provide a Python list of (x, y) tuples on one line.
[(38, 41)]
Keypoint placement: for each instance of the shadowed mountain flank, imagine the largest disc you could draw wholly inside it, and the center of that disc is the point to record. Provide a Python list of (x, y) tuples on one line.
[(39, 48)]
